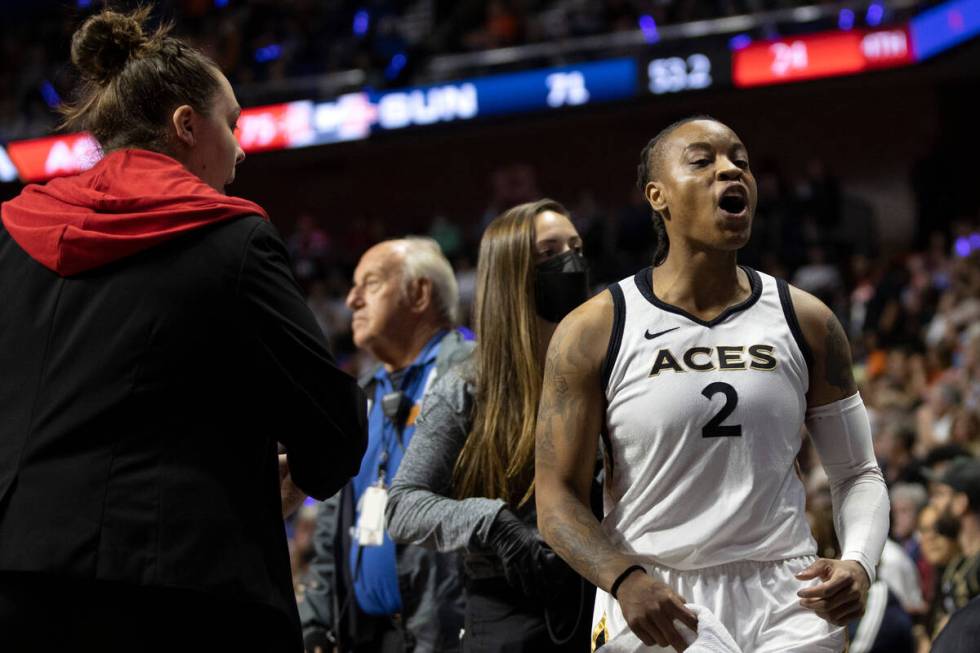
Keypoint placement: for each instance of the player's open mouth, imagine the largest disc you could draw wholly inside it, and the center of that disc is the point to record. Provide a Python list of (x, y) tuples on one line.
[(733, 202)]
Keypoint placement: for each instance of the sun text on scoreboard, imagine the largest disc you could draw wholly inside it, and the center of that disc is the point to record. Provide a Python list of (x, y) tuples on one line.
[(510, 93)]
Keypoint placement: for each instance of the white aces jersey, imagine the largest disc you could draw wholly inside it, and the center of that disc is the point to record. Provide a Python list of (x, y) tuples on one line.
[(703, 424)]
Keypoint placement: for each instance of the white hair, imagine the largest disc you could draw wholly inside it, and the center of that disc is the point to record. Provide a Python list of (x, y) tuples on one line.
[(423, 259), (912, 492)]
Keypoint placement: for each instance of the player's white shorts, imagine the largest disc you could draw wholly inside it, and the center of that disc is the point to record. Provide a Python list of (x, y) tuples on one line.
[(755, 601)]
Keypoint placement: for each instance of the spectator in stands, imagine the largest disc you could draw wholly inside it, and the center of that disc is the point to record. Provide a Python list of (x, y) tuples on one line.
[(907, 500), (820, 278), (935, 417), (955, 495), (970, 372), (898, 571), (894, 448), (363, 594), (965, 430), (939, 548), (154, 345), (901, 379), (939, 458), (467, 481)]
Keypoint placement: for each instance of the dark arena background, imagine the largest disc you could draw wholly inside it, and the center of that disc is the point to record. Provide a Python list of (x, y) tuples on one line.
[(370, 120)]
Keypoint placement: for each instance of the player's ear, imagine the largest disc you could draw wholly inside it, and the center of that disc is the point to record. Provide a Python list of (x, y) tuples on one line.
[(655, 196)]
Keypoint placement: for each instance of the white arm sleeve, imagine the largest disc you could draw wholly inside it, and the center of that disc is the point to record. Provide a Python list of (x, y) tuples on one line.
[(841, 434)]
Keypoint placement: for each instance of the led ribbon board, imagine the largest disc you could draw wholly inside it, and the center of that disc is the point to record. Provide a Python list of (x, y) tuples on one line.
[(276, 127), (940, 28), (690, 71), (815, 56), (43, 158), (358, 115), (534, 90)]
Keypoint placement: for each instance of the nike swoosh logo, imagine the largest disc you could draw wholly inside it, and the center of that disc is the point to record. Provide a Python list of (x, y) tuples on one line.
[(651, 336)]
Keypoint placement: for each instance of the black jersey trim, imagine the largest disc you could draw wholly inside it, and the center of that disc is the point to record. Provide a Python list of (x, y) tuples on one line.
[(793, 322), (616, 337), (644, 279), (607, 451)]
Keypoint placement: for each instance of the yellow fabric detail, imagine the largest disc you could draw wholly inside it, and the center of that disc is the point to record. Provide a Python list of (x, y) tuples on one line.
[(600, 634)]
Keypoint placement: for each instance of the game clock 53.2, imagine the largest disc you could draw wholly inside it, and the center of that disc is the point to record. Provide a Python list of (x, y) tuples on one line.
[(692, 71)]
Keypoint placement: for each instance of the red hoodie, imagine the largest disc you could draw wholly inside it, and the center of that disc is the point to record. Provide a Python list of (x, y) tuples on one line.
[(129, 201)]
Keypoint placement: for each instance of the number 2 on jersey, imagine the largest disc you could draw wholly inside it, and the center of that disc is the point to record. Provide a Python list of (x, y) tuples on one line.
[(714, 428)]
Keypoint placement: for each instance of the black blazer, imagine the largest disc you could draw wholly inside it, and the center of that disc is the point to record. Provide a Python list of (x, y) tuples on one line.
[(140, 407)]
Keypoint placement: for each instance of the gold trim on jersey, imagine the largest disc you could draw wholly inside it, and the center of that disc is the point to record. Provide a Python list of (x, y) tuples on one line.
[(600, 634)]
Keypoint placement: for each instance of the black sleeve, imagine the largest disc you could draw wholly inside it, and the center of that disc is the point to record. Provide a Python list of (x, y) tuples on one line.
[(319, 410)]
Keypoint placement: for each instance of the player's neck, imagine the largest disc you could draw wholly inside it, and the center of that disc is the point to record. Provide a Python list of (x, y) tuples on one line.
[(700, 282)]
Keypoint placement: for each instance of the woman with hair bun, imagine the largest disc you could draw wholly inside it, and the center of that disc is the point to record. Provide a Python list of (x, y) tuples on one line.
[(154, 347)]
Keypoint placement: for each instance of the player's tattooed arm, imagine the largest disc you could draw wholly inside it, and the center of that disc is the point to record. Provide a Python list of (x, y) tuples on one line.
[(570, 416), (831, 375)]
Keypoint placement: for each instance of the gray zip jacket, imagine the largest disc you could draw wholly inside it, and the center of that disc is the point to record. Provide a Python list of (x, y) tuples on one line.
[(420, 510)]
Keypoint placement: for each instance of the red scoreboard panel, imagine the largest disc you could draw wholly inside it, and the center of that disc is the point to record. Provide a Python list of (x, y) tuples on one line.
[(276, 126), (260, 128), (39, 159), (828, 54)]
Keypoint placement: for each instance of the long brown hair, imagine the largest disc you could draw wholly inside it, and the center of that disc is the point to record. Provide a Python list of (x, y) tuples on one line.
[(497, 460)]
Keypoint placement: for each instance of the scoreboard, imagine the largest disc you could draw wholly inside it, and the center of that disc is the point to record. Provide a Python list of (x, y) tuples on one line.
[(661, 72), (831, 54)]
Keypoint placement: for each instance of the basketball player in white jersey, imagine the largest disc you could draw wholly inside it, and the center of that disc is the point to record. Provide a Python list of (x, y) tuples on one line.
[(699, 374)]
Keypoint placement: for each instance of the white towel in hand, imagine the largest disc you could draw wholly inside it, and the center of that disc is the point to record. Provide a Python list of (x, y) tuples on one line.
[(712, 637)]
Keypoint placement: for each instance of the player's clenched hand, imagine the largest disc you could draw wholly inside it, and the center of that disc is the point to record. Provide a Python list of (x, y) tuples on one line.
[(841, 596), (650, 608)]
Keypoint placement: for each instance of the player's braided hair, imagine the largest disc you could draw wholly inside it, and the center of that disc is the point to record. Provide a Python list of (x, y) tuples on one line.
[(651, 157)]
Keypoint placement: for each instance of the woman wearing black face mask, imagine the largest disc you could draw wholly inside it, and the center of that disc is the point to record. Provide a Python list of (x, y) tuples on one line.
[(466, 482)]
